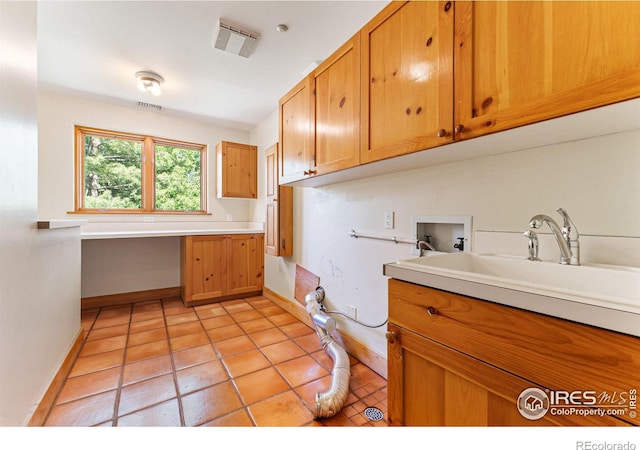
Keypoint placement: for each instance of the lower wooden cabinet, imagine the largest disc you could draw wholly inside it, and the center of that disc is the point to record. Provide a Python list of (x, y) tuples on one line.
[(220, 267), (459, 361)]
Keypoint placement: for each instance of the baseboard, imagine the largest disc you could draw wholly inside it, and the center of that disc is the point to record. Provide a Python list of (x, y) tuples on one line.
[(222, 299), (129, 297), (357, 349), (46, 403)]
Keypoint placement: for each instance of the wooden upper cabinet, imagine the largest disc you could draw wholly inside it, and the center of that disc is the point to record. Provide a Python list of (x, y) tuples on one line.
[(337, 109), (296, 132), (278, 233), (432, 73), (237, 170), (407, 79), (524, 62)]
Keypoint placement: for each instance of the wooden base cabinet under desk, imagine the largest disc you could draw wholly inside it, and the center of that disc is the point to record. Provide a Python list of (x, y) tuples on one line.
[(221, 267)]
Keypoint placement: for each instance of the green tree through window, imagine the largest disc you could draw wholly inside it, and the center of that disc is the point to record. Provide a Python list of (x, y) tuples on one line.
[(177, 179), (120, 172), (112, 173)]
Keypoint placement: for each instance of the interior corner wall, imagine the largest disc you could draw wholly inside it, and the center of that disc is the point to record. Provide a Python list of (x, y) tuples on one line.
[(39, 269)]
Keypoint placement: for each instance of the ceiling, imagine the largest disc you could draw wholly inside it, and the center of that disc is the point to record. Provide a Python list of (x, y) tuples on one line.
[(94, 48)]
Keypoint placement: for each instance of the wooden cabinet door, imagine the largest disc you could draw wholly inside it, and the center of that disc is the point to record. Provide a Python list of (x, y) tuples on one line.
[(245, 263), (237, 170), (407, 79), (279, 209), (204, 267), (523, 62), (430, 384), (296, 133), (337, 109)]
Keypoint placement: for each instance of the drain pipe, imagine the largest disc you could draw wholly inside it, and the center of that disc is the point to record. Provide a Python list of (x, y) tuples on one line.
[(329, 403)]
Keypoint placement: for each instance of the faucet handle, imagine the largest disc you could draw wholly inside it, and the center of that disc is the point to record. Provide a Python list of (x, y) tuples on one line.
[(569, 230), (533, 245), (570, 234)]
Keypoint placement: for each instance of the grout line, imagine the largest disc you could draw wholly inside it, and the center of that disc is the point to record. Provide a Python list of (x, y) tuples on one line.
[(173, 365), (116, 404)]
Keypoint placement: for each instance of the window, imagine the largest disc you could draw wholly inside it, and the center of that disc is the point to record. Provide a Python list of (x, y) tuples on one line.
[(123, 173)]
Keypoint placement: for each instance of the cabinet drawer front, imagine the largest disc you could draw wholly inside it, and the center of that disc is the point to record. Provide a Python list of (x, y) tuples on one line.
[(432, 385), (554, 353)]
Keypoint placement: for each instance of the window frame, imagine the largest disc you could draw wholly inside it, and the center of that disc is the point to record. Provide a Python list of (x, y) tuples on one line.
[(147, 171)]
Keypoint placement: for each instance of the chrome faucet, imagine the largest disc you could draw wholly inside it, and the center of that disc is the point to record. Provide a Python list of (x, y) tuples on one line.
[(567, 237)]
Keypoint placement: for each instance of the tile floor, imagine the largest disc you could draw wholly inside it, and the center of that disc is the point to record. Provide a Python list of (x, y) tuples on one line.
[(243, 362)]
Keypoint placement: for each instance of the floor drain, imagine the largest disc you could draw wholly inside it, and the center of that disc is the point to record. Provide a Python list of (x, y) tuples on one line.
[(373, 413)]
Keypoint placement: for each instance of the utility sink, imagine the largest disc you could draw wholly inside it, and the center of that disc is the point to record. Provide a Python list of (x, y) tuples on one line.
[(601, 295)]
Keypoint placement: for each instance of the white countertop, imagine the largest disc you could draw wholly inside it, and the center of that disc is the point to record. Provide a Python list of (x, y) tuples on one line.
[(123, 230), (163, 233), (55, 224), (551, 295)]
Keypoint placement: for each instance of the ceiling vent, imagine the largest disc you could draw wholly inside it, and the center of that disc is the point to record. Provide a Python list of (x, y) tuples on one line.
[(149, 106), (234, 40)]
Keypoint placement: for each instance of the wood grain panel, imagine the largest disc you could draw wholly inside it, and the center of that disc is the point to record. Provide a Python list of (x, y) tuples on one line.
[(279, 209), (337, 109), (296, 123), (237, 166), (305, 282), (245, 264), (460, 389), (407, 79), (522, 62), (555, 353)]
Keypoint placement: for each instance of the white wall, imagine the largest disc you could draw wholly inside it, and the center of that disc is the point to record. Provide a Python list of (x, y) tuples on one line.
[(39, 269), (129, 265), (596, 180), (58, 114), (279, 273)]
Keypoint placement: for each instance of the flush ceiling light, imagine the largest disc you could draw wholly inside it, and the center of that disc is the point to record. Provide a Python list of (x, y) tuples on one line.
[(234, 40), (149, 82)]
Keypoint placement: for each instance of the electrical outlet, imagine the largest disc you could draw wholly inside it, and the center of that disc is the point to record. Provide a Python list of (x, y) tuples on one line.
[(388, 220), (352, 311)]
